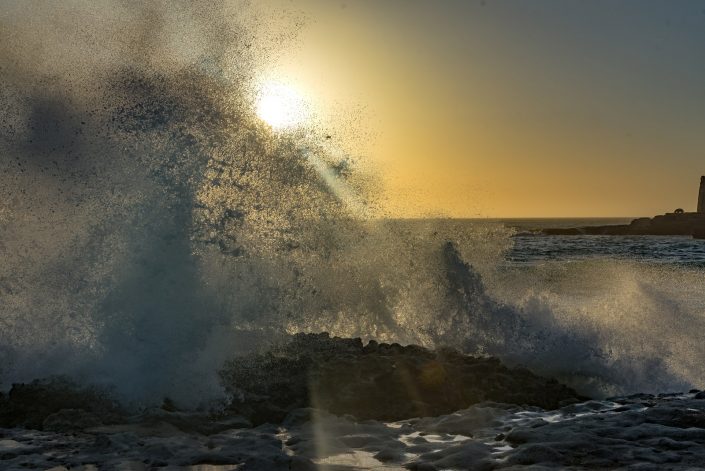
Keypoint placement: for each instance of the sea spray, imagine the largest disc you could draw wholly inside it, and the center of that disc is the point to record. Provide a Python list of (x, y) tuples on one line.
[(153, 227)]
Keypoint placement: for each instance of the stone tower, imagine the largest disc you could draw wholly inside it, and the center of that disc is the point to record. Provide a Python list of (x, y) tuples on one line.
[(701, 196)]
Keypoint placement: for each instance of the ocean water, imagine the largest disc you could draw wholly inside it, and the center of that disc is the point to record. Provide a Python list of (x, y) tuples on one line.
[(604, 321), (152, 227), (608, 315), (532, 248)]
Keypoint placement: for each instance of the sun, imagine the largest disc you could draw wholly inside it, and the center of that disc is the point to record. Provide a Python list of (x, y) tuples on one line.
[(281, 105)]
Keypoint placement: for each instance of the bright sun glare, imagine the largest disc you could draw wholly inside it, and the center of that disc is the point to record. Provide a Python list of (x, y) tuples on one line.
[(281, 105)]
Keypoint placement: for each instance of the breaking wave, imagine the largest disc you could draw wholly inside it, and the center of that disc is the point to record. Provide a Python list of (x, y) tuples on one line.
[(152, 228)]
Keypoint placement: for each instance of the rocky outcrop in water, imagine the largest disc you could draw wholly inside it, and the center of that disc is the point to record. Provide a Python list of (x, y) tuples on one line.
[(675, 223), (311, 371), (688, 224), (377, 381)]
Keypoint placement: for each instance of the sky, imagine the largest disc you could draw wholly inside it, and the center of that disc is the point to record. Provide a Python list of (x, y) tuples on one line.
[(500, 108)]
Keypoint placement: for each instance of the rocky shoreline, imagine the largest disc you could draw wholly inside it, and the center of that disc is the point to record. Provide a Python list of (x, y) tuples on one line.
[(679, 224), (341, 376), (639, 432), (378, 381), (321, 403)]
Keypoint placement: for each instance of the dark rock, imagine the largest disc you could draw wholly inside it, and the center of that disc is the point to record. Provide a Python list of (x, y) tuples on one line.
[(70, 420), (390, 455), (30, 405), (692, 224), (301, 416), (190, 422), (518, 436), (676, 223), (377, 381), (536, 454), (299, 463), (700, 395), (677, 417), (420, 467)]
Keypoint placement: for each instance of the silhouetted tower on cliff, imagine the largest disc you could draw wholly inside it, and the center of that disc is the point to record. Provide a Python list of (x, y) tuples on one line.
[(701, 196)]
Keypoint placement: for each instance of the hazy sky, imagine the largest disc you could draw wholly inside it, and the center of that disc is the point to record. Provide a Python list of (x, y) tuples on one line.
[(514, 108)]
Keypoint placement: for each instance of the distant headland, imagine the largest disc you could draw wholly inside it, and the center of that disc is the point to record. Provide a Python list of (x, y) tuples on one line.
[(678, 222)]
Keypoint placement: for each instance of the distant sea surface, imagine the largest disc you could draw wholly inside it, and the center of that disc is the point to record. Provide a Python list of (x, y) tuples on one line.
[(531, 247)]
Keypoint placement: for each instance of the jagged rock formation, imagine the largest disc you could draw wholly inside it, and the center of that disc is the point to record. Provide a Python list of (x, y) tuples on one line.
[(377, 381)]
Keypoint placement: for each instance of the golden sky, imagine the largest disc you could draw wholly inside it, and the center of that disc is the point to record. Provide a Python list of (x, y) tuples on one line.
[(507, 108)]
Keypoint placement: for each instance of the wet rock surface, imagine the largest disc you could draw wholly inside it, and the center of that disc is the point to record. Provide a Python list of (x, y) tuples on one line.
[(637, 432), (628, 433), (321, 403), (377, 381), (341, 376), (57, 403)]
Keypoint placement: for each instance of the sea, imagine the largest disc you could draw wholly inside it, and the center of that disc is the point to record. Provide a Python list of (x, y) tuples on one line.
[(618, 318), (530, 247), (153, 228), (607, 314)]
